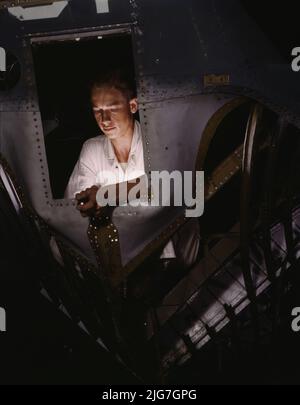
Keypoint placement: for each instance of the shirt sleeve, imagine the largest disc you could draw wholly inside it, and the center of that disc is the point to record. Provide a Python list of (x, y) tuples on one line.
[(84, 174)]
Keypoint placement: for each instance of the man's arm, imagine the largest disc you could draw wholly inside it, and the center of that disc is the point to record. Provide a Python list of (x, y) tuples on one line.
[(84, 173), (87, 199)]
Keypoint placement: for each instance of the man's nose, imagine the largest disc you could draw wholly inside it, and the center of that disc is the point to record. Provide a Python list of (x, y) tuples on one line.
[(106, 117)]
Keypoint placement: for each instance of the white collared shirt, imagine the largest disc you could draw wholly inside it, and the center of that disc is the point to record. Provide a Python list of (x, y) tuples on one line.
[(98, 165)]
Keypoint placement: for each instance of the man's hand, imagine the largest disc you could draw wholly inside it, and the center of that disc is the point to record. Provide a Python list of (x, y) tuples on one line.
[(87, 203)]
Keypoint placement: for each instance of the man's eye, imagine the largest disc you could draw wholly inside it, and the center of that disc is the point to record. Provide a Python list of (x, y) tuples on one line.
[(114, 110)]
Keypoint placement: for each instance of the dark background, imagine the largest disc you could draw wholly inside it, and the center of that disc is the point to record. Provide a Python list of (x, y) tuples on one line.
[(279, 21)]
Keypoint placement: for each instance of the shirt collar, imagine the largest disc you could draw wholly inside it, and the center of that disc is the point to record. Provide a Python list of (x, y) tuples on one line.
[(109, 149)]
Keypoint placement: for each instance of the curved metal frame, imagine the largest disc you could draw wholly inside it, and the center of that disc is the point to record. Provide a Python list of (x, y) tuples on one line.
[(249, 155)]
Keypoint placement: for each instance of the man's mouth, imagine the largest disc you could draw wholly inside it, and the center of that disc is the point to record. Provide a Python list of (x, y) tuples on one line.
[(108, 128)]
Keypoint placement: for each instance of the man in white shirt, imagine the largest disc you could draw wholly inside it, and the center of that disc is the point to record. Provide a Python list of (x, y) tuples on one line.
[(99, 166), (117, 156)]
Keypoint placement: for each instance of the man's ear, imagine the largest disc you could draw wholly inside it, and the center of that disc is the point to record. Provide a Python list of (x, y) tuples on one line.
[(134, 106)]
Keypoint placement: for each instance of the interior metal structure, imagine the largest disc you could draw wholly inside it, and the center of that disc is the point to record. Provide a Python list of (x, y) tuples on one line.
[(207, 103)]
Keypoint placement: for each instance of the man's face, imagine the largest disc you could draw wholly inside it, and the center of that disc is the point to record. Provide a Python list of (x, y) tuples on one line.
[(113, 111)]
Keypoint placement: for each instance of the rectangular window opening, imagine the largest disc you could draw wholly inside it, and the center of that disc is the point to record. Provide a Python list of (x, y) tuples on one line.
[(65, 66)]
